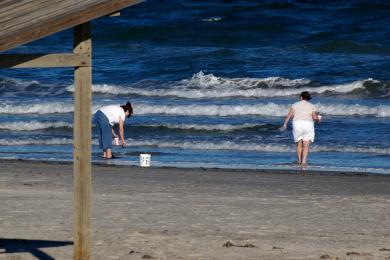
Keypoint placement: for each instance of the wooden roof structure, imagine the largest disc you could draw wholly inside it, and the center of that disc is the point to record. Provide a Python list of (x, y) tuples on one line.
[(24, 21)]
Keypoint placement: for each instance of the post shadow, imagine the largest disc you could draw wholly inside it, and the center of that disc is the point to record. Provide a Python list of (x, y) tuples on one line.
[(11, 245)]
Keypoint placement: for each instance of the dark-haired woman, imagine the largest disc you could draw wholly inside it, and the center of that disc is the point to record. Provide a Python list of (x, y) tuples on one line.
[(304, 114), (105, 118)]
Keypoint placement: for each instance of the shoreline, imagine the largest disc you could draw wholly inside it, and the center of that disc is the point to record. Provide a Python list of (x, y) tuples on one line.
[(295, 169), (176, 213)]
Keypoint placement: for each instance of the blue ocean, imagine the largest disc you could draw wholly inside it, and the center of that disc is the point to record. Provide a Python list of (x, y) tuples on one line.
[(211, 83)]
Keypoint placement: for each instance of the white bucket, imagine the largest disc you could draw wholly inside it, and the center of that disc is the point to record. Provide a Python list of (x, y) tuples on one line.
[(144, 159), (116, 141)]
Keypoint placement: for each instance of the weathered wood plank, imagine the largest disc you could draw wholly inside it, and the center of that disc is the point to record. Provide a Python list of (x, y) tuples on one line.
[(21, 17), (8, 3), (82, 147), (50, 19), (38, 10), (19, 10), (45, 60)]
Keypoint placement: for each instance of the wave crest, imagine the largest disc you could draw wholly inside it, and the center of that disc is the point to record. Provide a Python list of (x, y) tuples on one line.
[(20, 142), (33, 125), (269, 109), (209, 86), (209, 127), (40, 108), (226, 145), (260, 147)]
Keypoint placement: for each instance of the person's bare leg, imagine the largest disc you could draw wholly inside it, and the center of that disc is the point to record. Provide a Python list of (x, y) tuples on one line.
[(104, 154), (109, 154), (305, 152), (299, 151)]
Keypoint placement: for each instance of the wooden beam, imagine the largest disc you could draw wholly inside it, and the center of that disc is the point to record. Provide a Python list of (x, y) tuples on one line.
[(50, 17), (45, 60), (82, 146)]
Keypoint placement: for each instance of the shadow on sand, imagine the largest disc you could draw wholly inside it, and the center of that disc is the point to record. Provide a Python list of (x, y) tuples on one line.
[(30, 246)]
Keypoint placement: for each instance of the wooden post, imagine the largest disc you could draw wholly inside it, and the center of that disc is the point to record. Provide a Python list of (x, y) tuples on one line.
[(82, 146)]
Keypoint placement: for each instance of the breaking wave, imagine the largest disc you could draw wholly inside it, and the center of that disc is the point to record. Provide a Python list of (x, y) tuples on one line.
[(226, 145), (33, 125), (38, 125), (209, 127), (261, 147), (53, 141), (39, 108), (268, 109), (265, 109), (209, 86)]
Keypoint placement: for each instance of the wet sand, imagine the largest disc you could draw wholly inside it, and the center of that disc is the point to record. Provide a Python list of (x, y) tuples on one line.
[(170, 213)]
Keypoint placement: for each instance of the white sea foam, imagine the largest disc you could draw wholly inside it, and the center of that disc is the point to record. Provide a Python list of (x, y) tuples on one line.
[(209, 86), (226, 145), (205, 81), (349, 149), (33, 125), (19, 142), (264, 109), (268, 109), (212, 19), (216, 127), (260, 147), (39, 108), (353, 110)]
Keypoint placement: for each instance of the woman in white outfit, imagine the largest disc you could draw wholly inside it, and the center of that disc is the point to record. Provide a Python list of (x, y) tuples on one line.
[(304, 114), (105, 118)]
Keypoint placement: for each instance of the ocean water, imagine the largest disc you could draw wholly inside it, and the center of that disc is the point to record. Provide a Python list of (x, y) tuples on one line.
[(211, 82)]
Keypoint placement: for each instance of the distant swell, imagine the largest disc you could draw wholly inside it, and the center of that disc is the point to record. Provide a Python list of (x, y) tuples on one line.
[(10, 87), (209, 86)]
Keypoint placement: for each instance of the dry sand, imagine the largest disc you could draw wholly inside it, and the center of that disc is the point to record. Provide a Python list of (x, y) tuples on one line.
[(168, 213)]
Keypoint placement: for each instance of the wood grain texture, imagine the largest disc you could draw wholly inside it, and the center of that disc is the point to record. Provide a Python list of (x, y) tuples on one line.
[(82, 134), (45, 60), (23, 21)]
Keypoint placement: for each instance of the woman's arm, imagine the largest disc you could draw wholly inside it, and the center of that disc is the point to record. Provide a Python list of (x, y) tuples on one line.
[(315, 116), (289, 115), (114, 134), (122, 131)]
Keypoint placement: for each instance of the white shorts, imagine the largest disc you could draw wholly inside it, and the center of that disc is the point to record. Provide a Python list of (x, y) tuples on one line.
[(303, 130)]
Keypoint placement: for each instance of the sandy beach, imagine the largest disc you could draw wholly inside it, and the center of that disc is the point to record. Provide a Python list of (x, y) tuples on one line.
[(170, 213)]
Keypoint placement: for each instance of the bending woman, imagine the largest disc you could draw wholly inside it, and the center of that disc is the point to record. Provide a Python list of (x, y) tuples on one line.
[(304, 114), (105, 118)]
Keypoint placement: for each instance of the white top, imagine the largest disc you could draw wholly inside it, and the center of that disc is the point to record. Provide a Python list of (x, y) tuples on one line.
[(303, 110), (113, 113)]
